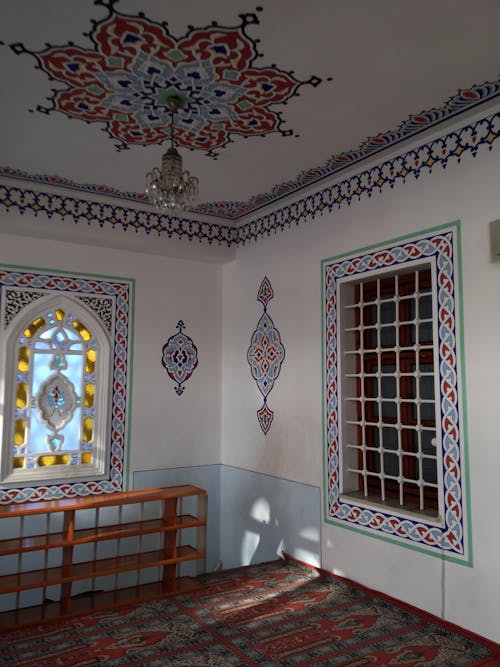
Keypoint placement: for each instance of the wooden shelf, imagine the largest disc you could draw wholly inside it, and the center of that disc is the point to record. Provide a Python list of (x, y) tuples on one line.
[(91, 602), (98, 534), (168, 526)]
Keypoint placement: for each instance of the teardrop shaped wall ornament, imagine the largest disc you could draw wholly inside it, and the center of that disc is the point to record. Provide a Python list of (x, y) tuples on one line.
[(265, 355), (56, 401)]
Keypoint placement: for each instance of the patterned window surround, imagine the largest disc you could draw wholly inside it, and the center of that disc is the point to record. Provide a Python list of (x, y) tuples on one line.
[(449, 536), (111, 299), (395, 171)]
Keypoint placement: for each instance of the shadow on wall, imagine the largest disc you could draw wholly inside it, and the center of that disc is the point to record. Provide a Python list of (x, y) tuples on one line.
[(252, 517), (267, 537), (262, 516)]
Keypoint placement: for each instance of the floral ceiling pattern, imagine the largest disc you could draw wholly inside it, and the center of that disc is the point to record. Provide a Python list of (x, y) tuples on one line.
[(126, 80)]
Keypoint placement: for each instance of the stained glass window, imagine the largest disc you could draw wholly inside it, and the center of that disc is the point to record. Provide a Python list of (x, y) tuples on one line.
[(57, 416)]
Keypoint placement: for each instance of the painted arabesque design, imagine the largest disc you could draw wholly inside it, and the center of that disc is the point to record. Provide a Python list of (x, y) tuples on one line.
[(440, 152), (265, 355), (136, 64), (448, 536), (179, 357)]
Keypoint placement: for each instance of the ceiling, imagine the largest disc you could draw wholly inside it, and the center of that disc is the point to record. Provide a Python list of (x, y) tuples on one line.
[(278, 96)]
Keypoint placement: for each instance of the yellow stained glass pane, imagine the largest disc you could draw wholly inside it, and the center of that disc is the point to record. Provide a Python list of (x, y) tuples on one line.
[(21, 395), (88, 400), (23, 359), (88, 429), (34, 327), (53, 460), (90, 361), (60, 315), (20, 432), (82, 330), (18, 462), (87, 458)]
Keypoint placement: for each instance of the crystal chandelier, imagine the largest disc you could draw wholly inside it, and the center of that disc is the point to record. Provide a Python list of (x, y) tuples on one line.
[(171, 188)]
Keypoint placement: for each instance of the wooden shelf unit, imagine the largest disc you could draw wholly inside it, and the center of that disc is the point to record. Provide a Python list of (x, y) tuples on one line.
[(166, 529)]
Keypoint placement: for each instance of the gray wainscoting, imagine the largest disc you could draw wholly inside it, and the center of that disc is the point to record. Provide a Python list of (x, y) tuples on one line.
[(252, 517)]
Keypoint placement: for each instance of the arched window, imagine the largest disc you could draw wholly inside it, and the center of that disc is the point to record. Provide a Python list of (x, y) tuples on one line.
[(56, 356)]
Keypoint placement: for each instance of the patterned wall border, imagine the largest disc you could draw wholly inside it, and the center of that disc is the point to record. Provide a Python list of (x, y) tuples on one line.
[(439, 152), (121, 291), (424, 158), (464, 100), (449, 538)]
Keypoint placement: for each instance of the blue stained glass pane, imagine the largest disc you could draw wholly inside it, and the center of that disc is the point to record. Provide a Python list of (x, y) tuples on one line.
[(59, 336), (74, 371), (48, 333), (42, 345), (72, 334), (38, 433), (41, 370), (71, 432)]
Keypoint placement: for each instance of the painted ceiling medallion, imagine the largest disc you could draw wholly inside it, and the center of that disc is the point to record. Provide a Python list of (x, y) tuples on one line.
[(265, 355), (125, 81), (179, 357)]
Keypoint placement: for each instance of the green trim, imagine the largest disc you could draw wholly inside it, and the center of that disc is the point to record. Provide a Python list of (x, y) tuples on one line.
[(66, 273), (442, 555), (405, 237), (459, 321), (464, 469), (130, 375)]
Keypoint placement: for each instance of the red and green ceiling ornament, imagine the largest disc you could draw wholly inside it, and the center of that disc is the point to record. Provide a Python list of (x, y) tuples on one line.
[(265, 355), (135, 64)]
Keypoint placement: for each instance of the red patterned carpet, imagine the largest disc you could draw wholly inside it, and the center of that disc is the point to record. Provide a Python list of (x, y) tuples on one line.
[(278, 613)]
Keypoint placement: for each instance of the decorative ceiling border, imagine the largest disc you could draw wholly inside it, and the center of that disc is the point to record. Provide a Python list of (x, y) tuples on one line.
[(438, 152), (425, 157), (465, 100)]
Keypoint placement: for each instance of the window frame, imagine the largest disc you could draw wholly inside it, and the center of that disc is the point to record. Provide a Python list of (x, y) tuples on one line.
[(56, 474), (448, 535), (111, 299)]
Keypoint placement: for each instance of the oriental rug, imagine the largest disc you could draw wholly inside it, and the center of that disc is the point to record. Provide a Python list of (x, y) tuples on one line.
[(279, 613)]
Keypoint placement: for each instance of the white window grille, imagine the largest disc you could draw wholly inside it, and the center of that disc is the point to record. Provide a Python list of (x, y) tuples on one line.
[(388, 389)]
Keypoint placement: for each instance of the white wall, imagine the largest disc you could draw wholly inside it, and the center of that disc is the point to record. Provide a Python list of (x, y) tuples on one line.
[(166, 430), (293, 449)]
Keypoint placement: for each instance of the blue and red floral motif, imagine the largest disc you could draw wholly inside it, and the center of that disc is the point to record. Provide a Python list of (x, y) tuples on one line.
[(136, 64), (265, 355), (179, 357)]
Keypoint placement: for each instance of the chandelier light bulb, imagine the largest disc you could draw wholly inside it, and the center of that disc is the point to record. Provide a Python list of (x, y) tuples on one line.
[(171, 188)]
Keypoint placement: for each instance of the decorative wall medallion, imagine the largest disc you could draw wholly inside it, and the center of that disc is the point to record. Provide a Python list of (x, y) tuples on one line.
[(179, 357), (447, 536), (136, 64), (265, 355)]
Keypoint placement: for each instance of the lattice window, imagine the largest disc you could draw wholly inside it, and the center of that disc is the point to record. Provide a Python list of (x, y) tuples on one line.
[(57, 405), (394, 394), (388, 390)]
